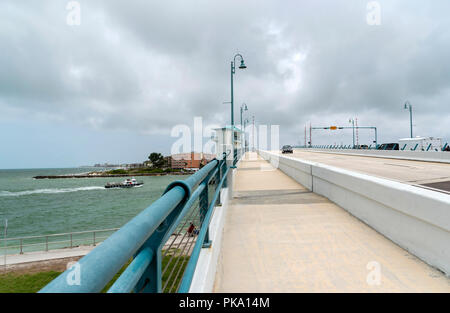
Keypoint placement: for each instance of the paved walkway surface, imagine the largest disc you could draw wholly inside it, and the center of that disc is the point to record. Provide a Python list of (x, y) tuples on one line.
[(38, 256), (280, 237)]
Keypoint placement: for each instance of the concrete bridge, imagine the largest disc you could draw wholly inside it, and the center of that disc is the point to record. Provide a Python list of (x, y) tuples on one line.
[(313, 221), (279, 236)]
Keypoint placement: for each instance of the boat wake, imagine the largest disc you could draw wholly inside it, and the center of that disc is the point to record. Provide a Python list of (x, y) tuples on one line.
[(47, 191)]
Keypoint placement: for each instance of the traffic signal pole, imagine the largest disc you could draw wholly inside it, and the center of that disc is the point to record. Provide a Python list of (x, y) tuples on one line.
[(347, 127)]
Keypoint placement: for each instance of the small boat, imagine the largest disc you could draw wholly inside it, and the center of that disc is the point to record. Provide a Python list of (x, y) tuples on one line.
[(128, 183)]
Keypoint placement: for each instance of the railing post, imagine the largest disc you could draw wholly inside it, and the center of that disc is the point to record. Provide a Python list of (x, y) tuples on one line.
[(204, 204), (71, 242), (46, 243), (218, 178), (21, 246), (224, 164), (229, 179), (151, 280), (94, 237)]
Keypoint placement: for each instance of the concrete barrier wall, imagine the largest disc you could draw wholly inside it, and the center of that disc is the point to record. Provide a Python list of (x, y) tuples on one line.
[(429, 156), (416, 219)]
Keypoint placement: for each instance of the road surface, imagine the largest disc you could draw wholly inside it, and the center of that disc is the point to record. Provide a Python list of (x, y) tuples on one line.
[(424, 174)]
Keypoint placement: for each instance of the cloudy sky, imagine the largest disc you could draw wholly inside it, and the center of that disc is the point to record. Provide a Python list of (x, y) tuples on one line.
[(111, 88)]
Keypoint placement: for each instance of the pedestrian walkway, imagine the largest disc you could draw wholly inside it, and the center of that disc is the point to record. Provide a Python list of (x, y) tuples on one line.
[(280, 237), (38, 256)]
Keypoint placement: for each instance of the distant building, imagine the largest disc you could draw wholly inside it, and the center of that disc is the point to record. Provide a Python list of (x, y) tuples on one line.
[(134, 165), (106, 165), (192, 160), (224, 138), (168, 161)]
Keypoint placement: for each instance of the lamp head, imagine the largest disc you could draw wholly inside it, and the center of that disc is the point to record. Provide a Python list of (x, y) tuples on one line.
[(245, 107), (242, 66)]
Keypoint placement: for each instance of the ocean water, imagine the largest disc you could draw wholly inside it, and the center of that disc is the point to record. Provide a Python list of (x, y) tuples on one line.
[(48, 206)]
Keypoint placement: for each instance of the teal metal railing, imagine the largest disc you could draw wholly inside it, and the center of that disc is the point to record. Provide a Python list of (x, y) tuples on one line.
[(237, 155), (158, 250)]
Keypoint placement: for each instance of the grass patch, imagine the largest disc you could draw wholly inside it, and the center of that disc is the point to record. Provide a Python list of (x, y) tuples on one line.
[(118, 171), (146, 170), (31, 283), (25, 283), (143, 170), (177, 266)]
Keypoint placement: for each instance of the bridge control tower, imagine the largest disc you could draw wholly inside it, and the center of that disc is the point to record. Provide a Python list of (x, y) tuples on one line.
[(224, 142)]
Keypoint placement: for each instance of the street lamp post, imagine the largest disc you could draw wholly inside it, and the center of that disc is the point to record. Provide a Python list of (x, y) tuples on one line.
[(243, 108), (353, 126), (233, 71), (409, 106), (230, 161), (245, 123), (376, 138), (245, 137)]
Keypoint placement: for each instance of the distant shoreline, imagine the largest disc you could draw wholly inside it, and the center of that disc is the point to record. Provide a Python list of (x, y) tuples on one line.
[(107, 175)]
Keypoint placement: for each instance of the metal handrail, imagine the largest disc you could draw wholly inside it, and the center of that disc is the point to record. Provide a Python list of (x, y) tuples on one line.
[(143, 238), (190, 269)]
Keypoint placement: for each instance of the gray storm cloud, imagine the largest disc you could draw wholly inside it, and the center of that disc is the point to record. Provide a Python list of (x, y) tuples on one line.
[(146, 66)]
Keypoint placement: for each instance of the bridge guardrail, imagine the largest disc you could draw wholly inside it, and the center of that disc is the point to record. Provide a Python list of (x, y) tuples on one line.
[(428, 156), (159, 248), (445, 147)]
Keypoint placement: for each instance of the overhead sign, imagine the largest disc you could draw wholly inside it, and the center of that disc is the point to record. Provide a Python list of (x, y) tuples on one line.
[(333, 127)]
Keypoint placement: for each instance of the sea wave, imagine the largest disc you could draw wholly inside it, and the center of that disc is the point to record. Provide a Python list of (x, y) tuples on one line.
[(5, 193)]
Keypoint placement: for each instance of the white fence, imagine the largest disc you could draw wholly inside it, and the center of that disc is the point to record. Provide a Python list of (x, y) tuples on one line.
[(429, 156), (48, 242)]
